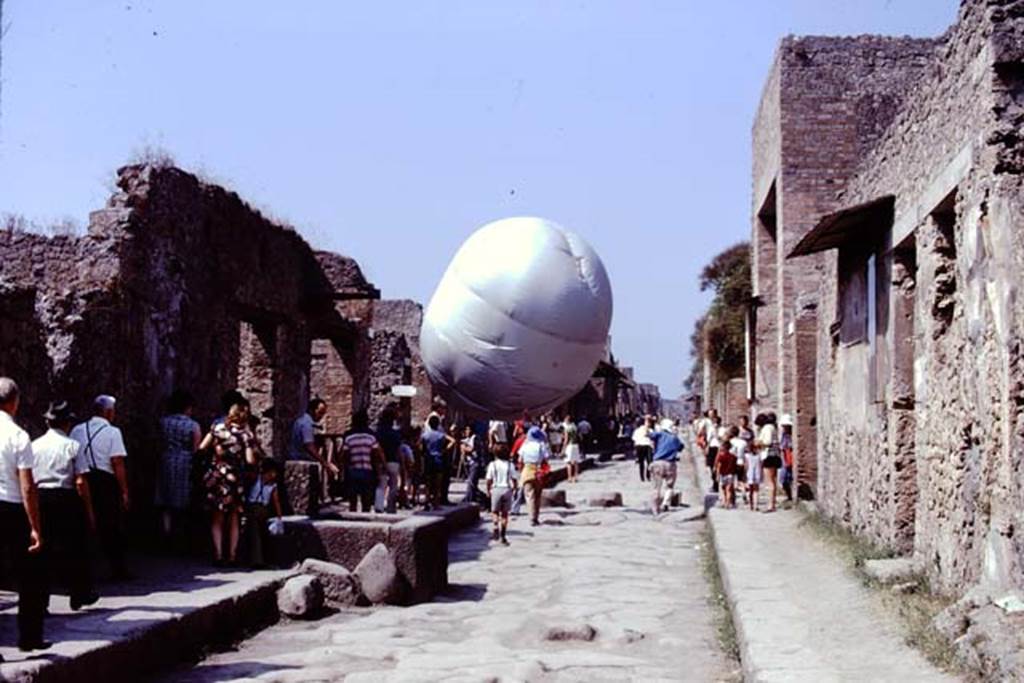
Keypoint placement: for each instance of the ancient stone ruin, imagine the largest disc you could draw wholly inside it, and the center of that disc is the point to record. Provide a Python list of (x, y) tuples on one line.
[(886, 255), (180, 284)]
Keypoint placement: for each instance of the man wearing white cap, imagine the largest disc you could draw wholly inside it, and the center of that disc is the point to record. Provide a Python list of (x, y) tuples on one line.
[(663, 470), (104, 452)]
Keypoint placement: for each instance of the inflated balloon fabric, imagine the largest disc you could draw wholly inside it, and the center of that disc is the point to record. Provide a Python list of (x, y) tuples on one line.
[(519, 321)]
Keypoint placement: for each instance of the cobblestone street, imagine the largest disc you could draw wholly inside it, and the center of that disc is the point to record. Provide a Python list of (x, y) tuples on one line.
[(525, 612)]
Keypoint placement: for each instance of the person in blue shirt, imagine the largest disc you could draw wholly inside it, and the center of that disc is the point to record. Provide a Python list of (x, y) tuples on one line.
[(663, 469), (433, 442)]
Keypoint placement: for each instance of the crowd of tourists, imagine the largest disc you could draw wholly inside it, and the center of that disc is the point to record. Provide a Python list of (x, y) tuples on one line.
[(69, 487), (742, 458)]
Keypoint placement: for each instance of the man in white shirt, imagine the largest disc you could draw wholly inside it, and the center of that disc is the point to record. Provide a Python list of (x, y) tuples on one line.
[(104, 453), (642, 445), (59, 470), (20, 534)]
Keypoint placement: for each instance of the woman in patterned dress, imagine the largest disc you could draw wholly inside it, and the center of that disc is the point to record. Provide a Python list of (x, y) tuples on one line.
[(181, 438), (234, 447)]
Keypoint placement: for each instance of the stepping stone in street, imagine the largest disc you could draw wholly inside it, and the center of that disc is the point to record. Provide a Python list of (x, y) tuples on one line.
[(581, 632), (611, 499), (553, 498)]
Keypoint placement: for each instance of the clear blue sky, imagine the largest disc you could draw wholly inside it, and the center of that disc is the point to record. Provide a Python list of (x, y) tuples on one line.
[(389, 131)]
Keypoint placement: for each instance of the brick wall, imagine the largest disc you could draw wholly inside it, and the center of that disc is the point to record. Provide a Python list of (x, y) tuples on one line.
[(827, 101)]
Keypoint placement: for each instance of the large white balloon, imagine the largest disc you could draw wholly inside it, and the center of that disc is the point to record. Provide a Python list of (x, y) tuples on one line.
[(520, 319)]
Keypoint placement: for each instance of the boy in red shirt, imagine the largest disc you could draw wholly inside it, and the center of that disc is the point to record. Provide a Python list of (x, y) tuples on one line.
[(725, 469)]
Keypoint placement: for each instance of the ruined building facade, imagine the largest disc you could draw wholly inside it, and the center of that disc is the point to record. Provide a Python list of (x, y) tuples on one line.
[(180, 284), (887, 251)]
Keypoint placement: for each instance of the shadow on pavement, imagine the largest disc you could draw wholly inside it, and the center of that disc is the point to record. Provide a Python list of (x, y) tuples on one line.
[(226, 672), (463, 592)]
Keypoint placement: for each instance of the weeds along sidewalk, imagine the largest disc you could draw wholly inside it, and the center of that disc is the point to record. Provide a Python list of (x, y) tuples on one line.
[(798, 612)]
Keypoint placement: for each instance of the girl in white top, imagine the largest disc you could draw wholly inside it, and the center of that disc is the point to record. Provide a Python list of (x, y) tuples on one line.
[(767, 445)]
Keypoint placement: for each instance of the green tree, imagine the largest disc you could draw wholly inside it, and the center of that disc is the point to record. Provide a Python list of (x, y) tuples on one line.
[(722, 327)]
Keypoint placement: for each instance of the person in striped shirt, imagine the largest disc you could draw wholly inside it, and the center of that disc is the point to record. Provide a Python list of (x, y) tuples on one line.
[(362, 460)]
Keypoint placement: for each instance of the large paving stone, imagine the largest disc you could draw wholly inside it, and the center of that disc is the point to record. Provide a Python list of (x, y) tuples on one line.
[(301, 597), (341, 587), (379, 577)]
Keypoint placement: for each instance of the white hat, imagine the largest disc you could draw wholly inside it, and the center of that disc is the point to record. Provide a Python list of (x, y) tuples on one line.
[(786, 420), (104, 402), (667, 425)]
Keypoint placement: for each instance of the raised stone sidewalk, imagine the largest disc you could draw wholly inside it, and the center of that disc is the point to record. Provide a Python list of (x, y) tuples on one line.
[(176, 610), (799, 614)]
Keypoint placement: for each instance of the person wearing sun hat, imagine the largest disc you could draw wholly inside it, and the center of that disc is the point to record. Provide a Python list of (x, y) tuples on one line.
[(663, 469), (533, 453), (59, 469)]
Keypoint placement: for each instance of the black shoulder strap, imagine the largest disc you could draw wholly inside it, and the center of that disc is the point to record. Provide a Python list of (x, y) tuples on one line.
[(88, 445)]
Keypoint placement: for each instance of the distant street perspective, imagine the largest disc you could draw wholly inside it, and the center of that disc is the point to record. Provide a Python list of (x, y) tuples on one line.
[(592, 593), (511, 341)]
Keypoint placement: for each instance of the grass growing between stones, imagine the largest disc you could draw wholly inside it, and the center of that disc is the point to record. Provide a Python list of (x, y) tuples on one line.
[(916, 605), (724, 626)]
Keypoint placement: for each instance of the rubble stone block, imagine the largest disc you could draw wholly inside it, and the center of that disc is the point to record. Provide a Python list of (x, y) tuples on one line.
[(341, 587), (379, 576), (301, 597)]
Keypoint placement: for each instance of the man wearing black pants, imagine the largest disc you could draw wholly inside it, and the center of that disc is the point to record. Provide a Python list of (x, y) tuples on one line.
[(104, 452), (642, 445), (20, 537), (59, 470)]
